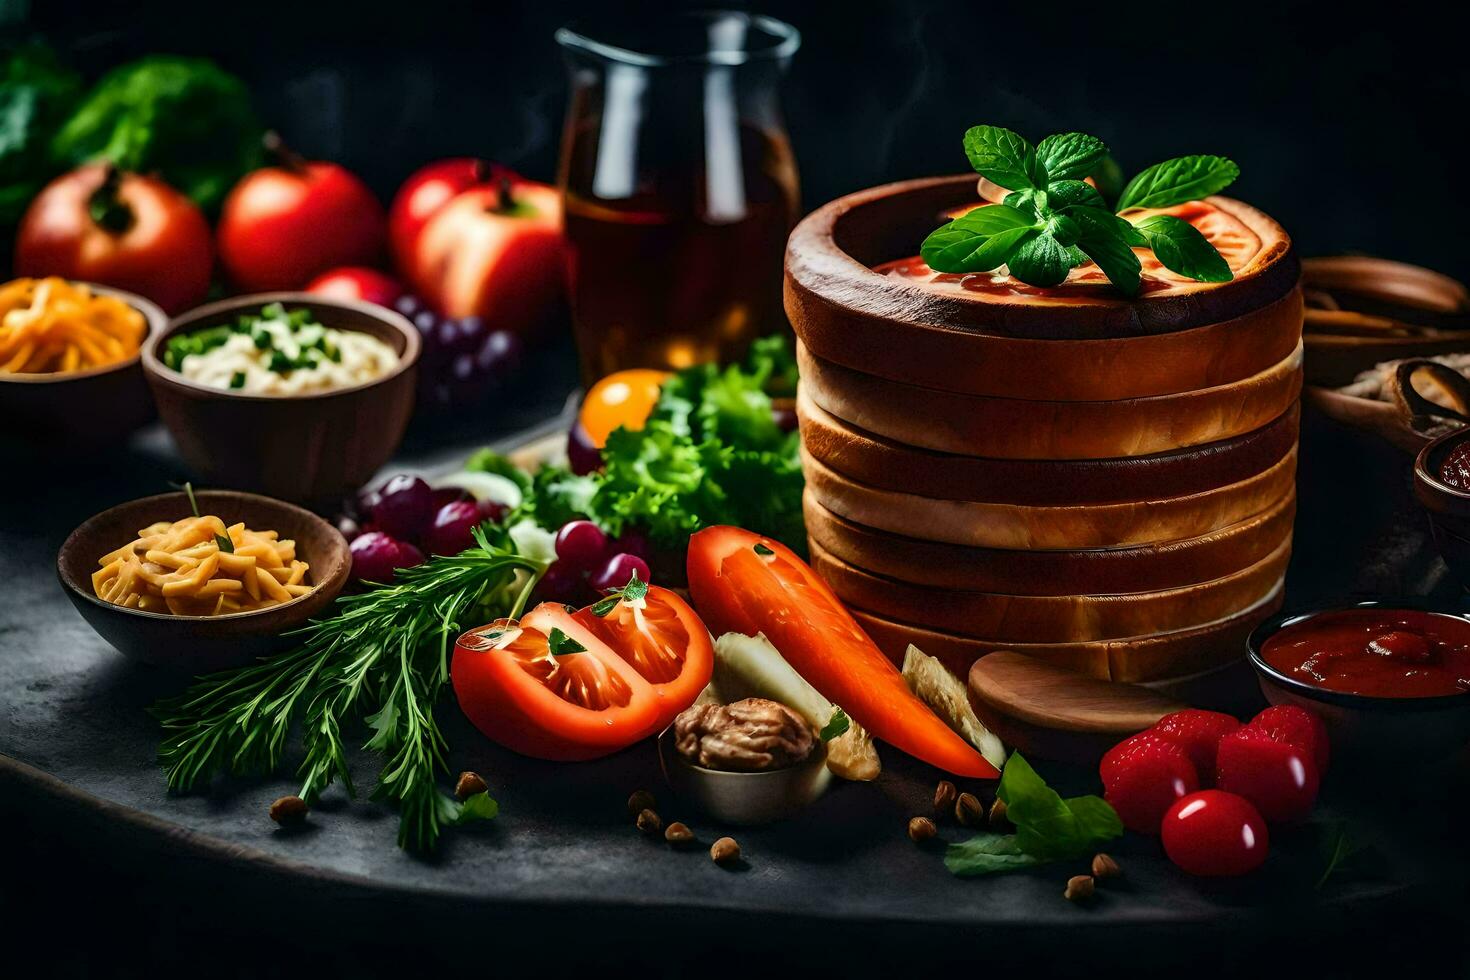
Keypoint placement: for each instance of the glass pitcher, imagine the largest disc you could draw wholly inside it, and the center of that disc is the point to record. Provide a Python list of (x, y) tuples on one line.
[(679, 187)]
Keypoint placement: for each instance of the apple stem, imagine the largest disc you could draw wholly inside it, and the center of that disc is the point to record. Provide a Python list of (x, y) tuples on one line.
[(506, 202), (480, 170), (276, 148), (104, 207)]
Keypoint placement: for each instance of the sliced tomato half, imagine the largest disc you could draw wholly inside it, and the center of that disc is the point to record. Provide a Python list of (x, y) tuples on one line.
[(568, 686), (745, 583)]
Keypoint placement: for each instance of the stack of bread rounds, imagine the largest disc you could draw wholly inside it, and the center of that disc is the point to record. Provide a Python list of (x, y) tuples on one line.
[(1104, 482)]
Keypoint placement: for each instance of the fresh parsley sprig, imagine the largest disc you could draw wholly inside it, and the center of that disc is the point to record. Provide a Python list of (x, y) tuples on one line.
[(1052, 220), (382, 659)]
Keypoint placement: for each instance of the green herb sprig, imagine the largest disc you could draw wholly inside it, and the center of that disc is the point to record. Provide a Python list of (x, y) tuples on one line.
[(1053, 220), (1048, 828), (382, 659)]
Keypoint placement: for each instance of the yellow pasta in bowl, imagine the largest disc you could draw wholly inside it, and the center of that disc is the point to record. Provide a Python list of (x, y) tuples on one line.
[(51, 326), (198, 566)]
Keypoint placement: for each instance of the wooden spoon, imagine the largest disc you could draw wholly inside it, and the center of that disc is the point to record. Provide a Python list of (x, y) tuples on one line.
[(1054, 713)]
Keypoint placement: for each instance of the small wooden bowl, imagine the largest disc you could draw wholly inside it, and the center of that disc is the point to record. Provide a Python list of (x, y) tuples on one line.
[(199, 644), (1448, 508), (309, 448), (81, 409)]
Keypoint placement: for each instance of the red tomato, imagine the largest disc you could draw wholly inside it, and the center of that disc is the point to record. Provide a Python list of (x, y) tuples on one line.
[(1278, 777), (426, 191), (1215, 834), (496, 253), (636, 671), (100, 225), (283, 226), (624, 398), (355, 282), (739, 589)]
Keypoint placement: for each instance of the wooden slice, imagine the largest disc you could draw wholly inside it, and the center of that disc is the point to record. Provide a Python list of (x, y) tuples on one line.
[(1142, 659), (1146, 568), (833, 291), (890, 465), (1048, 712), (1053, 619), (1016, 527), (1010, 428)]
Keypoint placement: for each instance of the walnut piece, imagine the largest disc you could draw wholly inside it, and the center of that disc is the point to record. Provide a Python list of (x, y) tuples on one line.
[(754, 735)]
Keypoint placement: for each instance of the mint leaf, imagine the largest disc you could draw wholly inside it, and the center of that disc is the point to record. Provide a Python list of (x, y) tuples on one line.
[(837, 725), (1107, 240), (1067, 193), (634, 590), (1048, 827), (1181, 247), (1177, 181), (559, 643), (1040, 260), (1096, 819), (1068, 156), (979, 241), (986, 854), (1004, 157), (477, 807)]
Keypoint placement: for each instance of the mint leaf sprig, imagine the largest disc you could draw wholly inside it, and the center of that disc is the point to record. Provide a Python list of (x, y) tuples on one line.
[(1052, 220)]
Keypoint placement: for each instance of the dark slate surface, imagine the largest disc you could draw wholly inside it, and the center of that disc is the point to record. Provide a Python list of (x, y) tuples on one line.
[(80, 752)]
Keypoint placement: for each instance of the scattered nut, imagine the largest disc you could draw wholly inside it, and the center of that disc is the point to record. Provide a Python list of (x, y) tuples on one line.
[(968, 811), (641, 800), (725, 851), (469, 784), (649, 822), (1079, 888), (998, 819), (922, 829), (677, 833), (1103, 866), (289, 811), (945, 795)]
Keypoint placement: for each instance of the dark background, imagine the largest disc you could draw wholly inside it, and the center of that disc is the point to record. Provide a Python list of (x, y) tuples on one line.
[(1348, 127)]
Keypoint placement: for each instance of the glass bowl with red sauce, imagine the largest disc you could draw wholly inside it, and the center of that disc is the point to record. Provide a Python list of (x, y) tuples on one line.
[(1389, 678)]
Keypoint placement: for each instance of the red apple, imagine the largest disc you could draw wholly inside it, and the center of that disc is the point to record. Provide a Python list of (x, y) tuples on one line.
[(496, 253), (427, 190), (355, 282), (282, 226)]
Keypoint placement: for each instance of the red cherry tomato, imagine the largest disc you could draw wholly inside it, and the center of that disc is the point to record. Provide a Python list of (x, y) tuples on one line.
[(355, 282), (1275, 775), (1215, 834), (496, 253), (426, 191), (283, 226), (633, 673), (624, 398), (125, 230)]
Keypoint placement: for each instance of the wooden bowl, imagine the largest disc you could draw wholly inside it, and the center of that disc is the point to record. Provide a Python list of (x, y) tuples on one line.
[(199, 644), (1018, 428), (890, 465), (79, 410), (1002, 344), (1102, 571), (1448, 508), (310, 448)]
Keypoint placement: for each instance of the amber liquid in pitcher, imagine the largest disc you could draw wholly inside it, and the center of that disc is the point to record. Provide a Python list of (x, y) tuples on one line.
[(686, 268)]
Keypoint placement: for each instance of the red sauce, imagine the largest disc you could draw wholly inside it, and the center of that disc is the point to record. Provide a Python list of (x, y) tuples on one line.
[(1455, 470), (1384, 653)]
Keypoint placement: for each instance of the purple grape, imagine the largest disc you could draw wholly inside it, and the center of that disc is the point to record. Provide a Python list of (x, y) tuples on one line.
[(405, 506), (451, 531), (471, 334), (374, 556), (446, 336), (408, 555), (426, 322), (448, 495), (561, 583), (492, 510), (409, 305), (582, 456), (785, 418), (618, 571), (500, 354), (633, 542), (348, 527), (580, 545)]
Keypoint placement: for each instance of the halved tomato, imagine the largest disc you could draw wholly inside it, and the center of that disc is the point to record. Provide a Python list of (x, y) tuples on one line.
[(745, 583), (568, 686)]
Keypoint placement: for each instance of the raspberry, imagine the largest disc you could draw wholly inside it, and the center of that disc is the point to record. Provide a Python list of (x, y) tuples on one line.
[(1300, 727), (1277, 776), (1197, 733), (1143, 776)]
